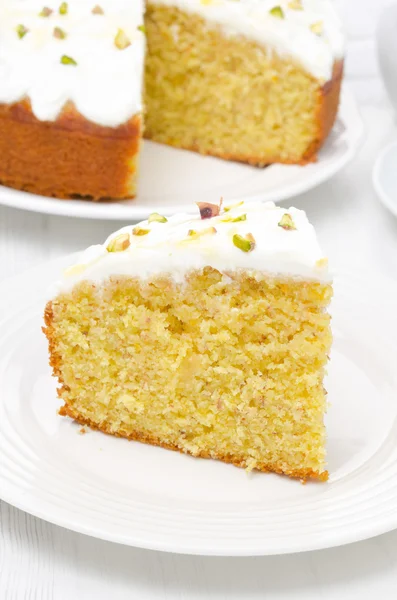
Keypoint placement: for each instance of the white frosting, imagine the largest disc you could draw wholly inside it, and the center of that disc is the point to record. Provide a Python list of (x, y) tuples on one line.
[(290, 36), (106, 84), (168, 249)]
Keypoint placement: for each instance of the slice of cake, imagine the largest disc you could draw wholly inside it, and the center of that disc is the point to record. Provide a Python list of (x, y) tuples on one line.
[(256, 81), (208, 335)]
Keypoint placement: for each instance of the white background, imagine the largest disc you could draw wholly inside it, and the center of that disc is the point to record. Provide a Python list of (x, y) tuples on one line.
[(44, 562)]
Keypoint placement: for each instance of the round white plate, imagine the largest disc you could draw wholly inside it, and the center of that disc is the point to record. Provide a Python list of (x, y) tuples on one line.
[(384, 177), (171, 180), (149, 497)]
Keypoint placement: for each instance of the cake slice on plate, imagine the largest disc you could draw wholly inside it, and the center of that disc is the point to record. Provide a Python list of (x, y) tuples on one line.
[(206, 334)]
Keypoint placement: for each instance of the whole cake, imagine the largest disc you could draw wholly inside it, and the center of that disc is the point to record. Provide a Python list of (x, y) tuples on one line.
[(208, 335), (256, 81)]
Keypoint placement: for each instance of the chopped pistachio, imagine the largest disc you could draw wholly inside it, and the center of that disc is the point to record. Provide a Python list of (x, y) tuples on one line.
[(59, 33), (98, 10), (235, 219), (246, 244), (46, 12), (64, 8), (286, 222), (208, 231), (140, 231), (207, 210), (141, 28), (121, 41), (322, 263), (156, 218), (317, 27), (295, 5), (21, 31), (227, 208), (277, 11), (119, 243), (68, 60)]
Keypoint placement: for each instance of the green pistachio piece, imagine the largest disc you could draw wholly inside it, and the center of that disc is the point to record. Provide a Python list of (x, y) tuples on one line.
[(156, 218), (21, 31), (286, 222), (68, 60), (246, 244), (119, 243), (59, 33), (235, 219), (64, 8), (277, 11), (140, 231), (227, 208), (46, 12)]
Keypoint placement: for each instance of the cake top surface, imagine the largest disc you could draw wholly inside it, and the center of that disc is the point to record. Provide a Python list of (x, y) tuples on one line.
[(256, 237), (91, 52)]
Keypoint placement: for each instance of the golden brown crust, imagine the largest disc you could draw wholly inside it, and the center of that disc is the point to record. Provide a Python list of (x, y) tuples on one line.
[(146, 438), (328, 103), (68, 158)]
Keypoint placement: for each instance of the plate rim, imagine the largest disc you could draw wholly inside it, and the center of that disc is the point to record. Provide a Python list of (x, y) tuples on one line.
[(66, 520), (103, 211)]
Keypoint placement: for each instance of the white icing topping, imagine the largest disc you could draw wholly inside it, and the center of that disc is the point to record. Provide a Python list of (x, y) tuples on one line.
[(168, 249), (106, 84), (291, 36)]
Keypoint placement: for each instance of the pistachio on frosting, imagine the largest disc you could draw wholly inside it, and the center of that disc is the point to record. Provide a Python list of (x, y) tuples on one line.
[(277, 11), (317, 27), (121, 41), (227, 208), (140, 231), (64, 8), (68, 60), (287, 222), (156, 218), (119, 243), (46, 12), (245, 243), (234, 219), (201, 232), (59, 33), (98, 10), (295, 5), (21, 31), (208, 210)]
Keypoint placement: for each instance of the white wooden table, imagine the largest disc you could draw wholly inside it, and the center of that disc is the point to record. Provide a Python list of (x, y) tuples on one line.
[(39, 561)]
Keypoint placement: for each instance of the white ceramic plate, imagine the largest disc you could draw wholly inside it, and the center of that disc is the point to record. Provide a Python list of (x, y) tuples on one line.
[(153, 498), (384, 177), (171, 180)]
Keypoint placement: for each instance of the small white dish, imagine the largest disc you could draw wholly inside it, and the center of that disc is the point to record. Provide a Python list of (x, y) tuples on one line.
[(171, 180), (148, 497), (384, 177)]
